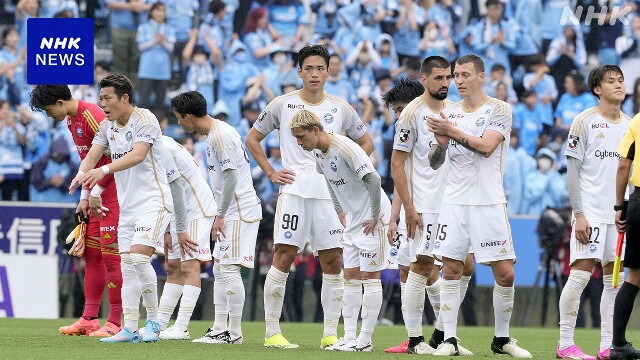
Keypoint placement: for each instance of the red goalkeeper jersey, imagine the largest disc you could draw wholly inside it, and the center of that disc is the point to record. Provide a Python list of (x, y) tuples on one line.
[(83, 128)]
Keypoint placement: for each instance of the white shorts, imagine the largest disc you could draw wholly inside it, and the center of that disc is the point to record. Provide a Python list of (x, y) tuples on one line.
[(199, 230), (423, 243), (601, 247), (299, 220), (400, 249), (482, 229), (368, 252), (238, 247), (146, 227)]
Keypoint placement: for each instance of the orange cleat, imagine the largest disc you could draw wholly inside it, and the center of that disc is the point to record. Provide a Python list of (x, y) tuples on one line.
[(109, 329), (80, 327)]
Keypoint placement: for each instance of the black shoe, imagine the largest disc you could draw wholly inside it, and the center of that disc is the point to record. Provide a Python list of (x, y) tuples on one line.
[(626, 351), (436, 338), (498, 343)]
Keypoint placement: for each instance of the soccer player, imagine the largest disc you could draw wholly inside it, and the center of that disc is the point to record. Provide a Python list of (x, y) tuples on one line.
[(363, 209), (305, 210), (409, 166), (621, 348), (235, 228), (101, 252), (473, 136), (190, 237), (133, 138), (591, 169)]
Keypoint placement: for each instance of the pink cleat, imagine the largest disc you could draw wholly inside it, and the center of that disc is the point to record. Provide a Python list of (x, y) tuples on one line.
[(573, 352), (603, 354), (80, 327), (109, 329), (400, 349)]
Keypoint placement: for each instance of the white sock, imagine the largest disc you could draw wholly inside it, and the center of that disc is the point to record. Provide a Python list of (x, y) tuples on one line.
[(170, 295), (331, 297), (130, 293), (148, 284), (502, 308), (351, 307), (371, 304), (464, 285), (433, 292), (221, 310), (449, 306), (274, 288), (190, 296), (414, 297), (606, 310), (569, 305), (235, 297)]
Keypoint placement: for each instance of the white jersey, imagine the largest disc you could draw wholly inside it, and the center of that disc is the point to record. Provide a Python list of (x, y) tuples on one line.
[(225, 150), (593, 139), (143, 185), (199, 199), (344, 165), (426, 186), (336, 115), (473, 179)]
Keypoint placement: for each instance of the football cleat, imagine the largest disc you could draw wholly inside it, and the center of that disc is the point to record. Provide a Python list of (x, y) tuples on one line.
[(80, 327), (109, 329), (279, 342)]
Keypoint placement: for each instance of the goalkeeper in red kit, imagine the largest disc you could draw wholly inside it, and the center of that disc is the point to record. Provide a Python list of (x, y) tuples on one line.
[(99, 205)]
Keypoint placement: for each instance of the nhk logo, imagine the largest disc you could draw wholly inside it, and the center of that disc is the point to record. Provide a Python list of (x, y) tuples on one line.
[(60, 51)]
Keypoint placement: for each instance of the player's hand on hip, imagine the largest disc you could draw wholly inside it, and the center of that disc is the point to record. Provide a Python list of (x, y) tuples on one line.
[(369, 226), (392, 232), (168, 244), (343, 219), (581, 227), (187, 246), (83, 207), (621, 225), (282, 177), (92, 177), (217, 232)]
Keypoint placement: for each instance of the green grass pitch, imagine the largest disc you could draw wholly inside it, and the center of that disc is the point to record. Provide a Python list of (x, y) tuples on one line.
[(39, 339)]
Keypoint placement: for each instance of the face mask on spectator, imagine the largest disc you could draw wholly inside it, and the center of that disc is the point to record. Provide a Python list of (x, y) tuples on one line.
[(433, 34), (544, 164), (240, 56), (363, 58), (279, 59)]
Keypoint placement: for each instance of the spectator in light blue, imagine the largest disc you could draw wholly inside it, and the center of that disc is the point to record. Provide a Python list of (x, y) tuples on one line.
[(575, 100), (527, 17), (180, 14), (610, 31), (527, 118), (552, 22), (407, 35), (52, 174), (466, 39), (280, 69), (37, 139), (454, 94), (124, 18), (388, 13), (567, 53), (348, 34), (258, 39), (496, 77), (230, 7), (49, 8), (326, 18), (155, 41), (437, 42), (250, 113), (362, 64), (495, 38), (12, 136), (233, 80), (445, 14), (212, 34), (538, 79), (386, 49), (289, 20), (337, 83), (541, 186), (264, 187), (12, 67), (518, 165), (200, 74), (631, 106), (25, 10)]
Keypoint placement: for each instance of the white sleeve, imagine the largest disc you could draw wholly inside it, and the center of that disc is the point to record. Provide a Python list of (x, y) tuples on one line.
[(576, 141), (170, 164), (352, 125), (501, 119), (147, 130), (226, 153), (269, 119), (100, 137), (406, 134)]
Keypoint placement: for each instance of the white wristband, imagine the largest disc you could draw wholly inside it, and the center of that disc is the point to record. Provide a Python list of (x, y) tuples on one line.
[(80, 173), (105, 169), (97, 191), (84, 194)]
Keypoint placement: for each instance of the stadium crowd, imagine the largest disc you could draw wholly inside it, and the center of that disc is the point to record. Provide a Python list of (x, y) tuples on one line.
[(241, 55)]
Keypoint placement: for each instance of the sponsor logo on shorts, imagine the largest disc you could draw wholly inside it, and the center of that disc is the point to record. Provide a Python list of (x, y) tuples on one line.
[(107, 228), (224, 248), (335, 231), (204, 251), (503, 251), (287, 235), (369, 255), (593, 248), (248, 258), (145, 236), (493, 243), (226, 256), (142, 228), (394, 251), (373, 263)]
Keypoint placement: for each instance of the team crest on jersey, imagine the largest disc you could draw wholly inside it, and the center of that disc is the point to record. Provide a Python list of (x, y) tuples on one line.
[(404, 135), (334, 166), (129, 136), (328, 118), (593, 248), (480, 121), (573, 142), (287, 234), (334, 110), (79, 132)]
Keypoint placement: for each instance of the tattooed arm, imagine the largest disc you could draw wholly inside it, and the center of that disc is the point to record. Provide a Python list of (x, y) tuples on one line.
[(437, 156), (484, 145)]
